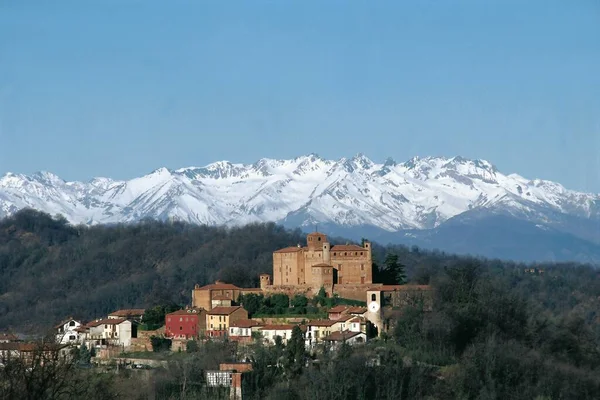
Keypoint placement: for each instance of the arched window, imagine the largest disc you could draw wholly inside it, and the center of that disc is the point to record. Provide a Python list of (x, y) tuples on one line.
[(373, 297)]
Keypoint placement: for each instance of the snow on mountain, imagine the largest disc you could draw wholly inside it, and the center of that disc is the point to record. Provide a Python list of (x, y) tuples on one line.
[(421, 193)]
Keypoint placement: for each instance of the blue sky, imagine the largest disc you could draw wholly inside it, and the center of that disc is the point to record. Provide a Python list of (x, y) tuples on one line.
[(120, 88)]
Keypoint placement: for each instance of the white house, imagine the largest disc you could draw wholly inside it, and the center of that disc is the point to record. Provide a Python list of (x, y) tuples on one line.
[(316, 330), (242, 330), (270, 333), (351, 338), (110, 331), (67, 331)]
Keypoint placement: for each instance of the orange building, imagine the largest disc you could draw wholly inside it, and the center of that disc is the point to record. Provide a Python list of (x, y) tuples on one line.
[(318, 264)]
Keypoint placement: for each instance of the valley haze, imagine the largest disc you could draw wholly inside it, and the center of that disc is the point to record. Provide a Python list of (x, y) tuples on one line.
[(454, 204)]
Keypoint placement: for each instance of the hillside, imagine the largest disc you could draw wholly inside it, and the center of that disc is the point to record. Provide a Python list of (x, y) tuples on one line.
[(413, 202), (50, 269)]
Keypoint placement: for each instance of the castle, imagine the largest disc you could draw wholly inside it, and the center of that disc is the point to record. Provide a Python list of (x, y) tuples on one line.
[(318, 264)]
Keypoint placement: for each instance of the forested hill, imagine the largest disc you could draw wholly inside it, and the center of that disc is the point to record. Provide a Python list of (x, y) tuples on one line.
[(50, 270)]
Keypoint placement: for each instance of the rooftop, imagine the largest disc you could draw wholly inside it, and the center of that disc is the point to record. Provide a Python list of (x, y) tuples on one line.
[(338, 309), (128, 312), (347, 247), (321, 322), (218, 285), (245, 323), (107, 321), (291, 249), (224, 310), (341, 336), (188, 311), (282, 327)]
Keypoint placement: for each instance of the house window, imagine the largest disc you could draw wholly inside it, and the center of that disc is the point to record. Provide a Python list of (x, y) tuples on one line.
[(373, 297), (345, 253), (181, 328), (72, 323), (72, 337), (169, 319), (180, 319), (334, 254), (361, 253), (362, 267)]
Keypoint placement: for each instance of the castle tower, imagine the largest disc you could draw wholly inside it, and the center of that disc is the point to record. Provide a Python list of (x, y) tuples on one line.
[(315, 240), (265, 280), (326, 254)]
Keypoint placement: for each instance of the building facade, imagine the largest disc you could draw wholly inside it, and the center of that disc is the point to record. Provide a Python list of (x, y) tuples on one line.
[(319, 264), (218, 294), (185, 324), (219, 319)]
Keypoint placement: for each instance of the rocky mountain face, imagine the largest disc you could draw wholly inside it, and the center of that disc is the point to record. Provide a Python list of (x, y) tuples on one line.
[(410, 202)]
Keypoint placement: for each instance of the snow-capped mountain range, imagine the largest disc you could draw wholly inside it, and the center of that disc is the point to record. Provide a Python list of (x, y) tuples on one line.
[(419, 194)]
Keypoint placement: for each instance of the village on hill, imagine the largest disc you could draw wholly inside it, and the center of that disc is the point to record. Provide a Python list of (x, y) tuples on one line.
[(325, 293)]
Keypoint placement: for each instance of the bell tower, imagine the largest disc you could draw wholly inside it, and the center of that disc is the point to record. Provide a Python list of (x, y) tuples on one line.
[(374, 309)]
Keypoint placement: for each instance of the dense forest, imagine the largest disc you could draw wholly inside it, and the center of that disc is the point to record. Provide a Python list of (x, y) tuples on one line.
[(50, 269), (498, 330)]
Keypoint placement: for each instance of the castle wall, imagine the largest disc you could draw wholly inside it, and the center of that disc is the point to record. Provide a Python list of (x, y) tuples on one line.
[(288, 268), (353, 266)]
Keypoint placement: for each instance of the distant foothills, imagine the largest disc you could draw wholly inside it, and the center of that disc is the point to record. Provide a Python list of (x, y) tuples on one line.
[(453, 204)]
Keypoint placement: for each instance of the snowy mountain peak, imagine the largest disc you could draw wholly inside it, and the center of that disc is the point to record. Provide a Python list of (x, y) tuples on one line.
[(417, 194)]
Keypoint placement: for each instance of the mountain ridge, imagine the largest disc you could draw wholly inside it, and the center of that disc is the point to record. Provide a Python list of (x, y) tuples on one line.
[(418, 194)]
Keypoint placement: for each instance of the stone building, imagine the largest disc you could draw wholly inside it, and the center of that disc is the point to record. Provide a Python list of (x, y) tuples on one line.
[(218, 294), (318, 264)]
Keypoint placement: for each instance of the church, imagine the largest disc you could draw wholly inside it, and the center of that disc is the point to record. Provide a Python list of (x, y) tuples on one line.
[(318, 264)]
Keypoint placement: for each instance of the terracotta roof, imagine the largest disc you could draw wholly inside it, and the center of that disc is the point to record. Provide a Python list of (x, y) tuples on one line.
[(107, 321), (316, 234), (347, 247), (341, 336), (391, 288), (131, 312), (356, 319), (357, 310), (245, 323), (8, 336), (31, 346), (284, 327), (291, 249), (344, 318), (219, 286), (223, 310), (321, 265), (321, 322), (188, 311), (338, 309), (220, 297)]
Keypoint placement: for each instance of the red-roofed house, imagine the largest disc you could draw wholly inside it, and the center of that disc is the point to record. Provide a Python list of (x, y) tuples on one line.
[(242, 330), (219, 319), (189, 323), (110, 331), (133, 314), (337, 338)]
